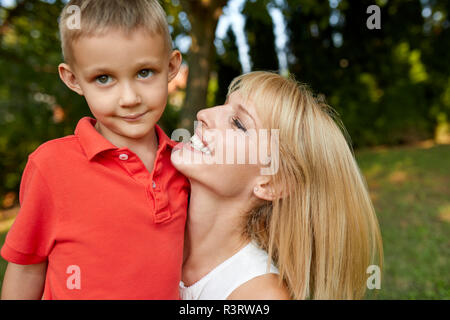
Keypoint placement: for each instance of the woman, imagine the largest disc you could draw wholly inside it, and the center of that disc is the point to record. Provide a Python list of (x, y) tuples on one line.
[(307, 230)]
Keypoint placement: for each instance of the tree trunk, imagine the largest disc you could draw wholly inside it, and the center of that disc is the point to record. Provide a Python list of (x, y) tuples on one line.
[(203, 16)]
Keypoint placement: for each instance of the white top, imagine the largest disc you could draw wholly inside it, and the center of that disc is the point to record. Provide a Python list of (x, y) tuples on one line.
[(218, 284)]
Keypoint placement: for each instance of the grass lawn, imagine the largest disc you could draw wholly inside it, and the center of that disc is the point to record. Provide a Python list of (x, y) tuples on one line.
[(410, 188), (3, 263)]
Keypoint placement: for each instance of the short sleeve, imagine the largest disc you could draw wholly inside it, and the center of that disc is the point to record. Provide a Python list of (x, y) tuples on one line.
[(31, 236)]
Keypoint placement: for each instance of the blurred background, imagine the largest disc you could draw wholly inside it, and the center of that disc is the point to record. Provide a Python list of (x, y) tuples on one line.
[(391, 87)]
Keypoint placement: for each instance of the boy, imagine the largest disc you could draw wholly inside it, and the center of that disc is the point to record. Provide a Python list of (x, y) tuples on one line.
[(103, 211)]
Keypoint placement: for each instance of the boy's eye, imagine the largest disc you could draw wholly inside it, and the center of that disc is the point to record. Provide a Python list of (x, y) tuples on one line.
[(145, 73), (238, 124), (103, 79)]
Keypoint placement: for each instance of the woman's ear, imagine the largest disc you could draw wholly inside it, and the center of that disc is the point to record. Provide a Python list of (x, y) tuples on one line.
[(68, 77), (174, 64), (266, 191), (263, 193)]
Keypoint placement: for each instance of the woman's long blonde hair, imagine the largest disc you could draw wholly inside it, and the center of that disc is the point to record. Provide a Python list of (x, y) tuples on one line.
[(324, 233)]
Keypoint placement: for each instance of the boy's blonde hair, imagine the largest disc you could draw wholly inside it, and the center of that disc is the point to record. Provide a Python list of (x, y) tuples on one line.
[(97, 16), (323, 234)]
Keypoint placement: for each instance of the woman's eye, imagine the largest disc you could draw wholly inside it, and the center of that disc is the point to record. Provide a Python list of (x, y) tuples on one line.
[(238, 124), (103, 79), (145, 73)]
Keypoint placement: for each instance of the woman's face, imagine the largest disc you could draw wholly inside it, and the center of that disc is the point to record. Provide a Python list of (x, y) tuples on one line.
[(226, 150)]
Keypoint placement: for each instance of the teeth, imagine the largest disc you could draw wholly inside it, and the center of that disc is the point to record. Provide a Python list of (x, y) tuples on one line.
[(197, 144)]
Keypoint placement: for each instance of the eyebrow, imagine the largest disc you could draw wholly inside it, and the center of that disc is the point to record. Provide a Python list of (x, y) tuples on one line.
[(243, 110), (102, 69)]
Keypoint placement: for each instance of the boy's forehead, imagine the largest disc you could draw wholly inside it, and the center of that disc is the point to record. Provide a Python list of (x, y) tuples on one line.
[(116, 48)]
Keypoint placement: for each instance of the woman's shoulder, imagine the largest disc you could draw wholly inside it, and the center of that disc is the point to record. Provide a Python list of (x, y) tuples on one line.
[(264, 287)]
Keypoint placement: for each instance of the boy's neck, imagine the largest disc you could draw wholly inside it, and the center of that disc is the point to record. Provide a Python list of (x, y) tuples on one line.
[(145, 147)]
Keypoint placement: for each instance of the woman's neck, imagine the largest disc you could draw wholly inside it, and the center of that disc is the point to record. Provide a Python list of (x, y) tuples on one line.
[(213, 232)]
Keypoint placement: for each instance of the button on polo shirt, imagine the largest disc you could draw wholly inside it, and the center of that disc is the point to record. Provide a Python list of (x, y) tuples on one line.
[(108, 228)]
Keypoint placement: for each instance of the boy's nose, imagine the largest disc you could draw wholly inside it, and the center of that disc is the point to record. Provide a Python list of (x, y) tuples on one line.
[(129, 97)]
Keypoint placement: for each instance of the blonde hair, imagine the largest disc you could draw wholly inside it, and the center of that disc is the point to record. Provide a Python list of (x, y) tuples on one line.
[(324, 233), (97, 16)]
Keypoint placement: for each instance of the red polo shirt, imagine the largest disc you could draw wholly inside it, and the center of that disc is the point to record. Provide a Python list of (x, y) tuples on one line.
[(108, 227)]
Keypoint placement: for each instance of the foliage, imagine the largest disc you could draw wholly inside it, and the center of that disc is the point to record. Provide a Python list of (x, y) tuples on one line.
[(30, 89), (262, 48), (378, 80), (227, 66)]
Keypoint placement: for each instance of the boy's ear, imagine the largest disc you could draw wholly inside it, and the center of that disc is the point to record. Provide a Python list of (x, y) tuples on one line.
[(68, 77), (174, 64)]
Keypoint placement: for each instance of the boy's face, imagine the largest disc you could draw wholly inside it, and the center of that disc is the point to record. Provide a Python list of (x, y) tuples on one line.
[(124, 80)]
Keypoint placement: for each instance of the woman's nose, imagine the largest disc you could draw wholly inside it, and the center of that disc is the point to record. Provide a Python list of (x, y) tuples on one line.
[(210, 117), (202, 117)]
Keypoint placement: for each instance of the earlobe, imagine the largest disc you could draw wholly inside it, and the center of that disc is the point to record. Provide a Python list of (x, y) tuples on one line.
[(68, 77)]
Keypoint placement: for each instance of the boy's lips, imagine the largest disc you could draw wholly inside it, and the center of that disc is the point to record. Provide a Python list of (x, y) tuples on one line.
[(134, 116)]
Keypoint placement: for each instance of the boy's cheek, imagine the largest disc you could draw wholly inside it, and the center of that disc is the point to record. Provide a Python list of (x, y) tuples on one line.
[(99, 101), (157, 98)]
